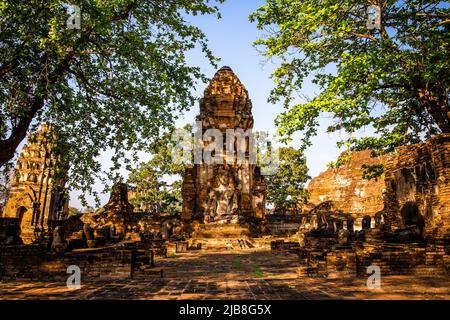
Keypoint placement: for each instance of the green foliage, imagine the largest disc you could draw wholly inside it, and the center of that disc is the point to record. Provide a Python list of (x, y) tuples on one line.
[(73, 212), (88, 209), (394, 80), (343, 159), (113, 85), (238, 265), (285, 189), (257, 272), (152, 191), (372, 171)]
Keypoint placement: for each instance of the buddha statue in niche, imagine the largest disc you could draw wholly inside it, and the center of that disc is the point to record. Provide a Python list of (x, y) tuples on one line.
[(222, 198)]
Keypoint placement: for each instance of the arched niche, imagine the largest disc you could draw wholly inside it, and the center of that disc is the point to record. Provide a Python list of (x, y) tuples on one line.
[(411, 216), (20, 214), (366, 222)]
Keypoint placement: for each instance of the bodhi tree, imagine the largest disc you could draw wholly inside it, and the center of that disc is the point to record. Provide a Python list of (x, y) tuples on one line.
[(112, 80), (393, 79), (285, 188), (157, 182)]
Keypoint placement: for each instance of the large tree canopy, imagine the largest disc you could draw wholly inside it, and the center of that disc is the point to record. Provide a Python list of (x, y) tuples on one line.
[(112, 84), (393, 80)]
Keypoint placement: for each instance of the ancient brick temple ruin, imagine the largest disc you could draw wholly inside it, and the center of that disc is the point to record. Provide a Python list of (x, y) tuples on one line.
[(399, 223), (346, 187), (343, 195), (418, 188), (224, 243), (231, 192), (35, 197)]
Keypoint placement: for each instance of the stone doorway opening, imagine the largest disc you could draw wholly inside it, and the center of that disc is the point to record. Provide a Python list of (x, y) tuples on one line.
[(411, 215)]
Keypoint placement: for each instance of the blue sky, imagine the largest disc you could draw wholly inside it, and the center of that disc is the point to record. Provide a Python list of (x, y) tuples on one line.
[(231, 38)]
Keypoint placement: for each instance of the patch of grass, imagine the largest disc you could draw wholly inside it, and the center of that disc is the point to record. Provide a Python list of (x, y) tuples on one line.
[(172, 256), (237, 264), (217, 271), (258, 273)]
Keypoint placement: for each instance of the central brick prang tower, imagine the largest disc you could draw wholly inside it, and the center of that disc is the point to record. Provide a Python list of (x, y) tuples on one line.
[(232, 191)]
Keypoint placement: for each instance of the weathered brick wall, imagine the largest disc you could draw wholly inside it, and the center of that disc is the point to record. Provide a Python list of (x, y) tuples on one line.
[(33, 262), (404, 259), (71, 224), (341, 263), (417, 183), (346, 188), (284, 246), (392, 259), (9, 231), (283, 224)]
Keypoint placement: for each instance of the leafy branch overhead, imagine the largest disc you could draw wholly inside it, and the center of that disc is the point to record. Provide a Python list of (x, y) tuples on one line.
[(113, 84), (286, 188), (393, 80), (157, 182)]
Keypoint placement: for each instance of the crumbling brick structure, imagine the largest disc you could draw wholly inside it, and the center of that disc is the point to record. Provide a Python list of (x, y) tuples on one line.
[(224, 193), (417, 182), (35, 197), (409, 235), (347, 189)]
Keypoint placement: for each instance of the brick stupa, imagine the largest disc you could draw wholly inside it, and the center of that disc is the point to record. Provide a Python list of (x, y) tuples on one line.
[(231, 193)]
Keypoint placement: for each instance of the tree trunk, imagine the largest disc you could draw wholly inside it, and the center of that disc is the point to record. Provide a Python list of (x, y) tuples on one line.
[(8, 146), (437, 108)]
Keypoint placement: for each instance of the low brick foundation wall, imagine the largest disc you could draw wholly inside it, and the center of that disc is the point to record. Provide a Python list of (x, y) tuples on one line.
[(279, 246), (398, 259), (392, 259), (33, 262), (279, 228), (283, 225)]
